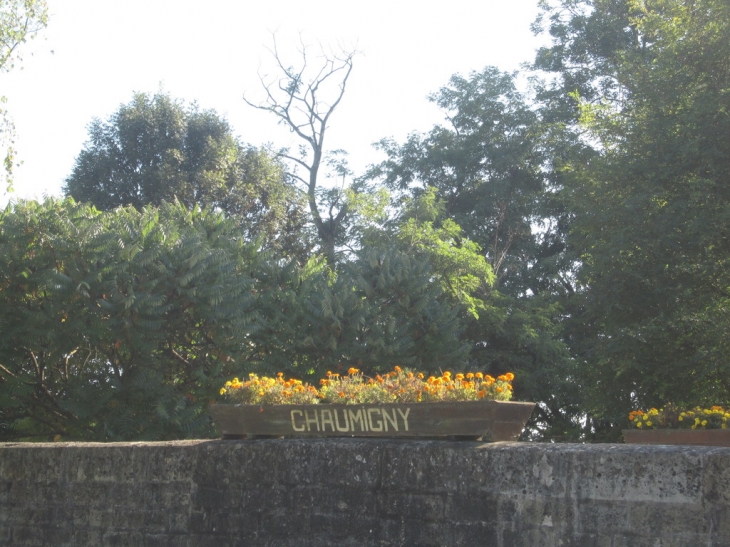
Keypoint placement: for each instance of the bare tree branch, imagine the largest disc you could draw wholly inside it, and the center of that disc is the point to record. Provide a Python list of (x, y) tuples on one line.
[(301, 104)]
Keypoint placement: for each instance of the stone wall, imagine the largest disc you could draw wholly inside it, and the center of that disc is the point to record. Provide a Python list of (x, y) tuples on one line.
[(362, 492)]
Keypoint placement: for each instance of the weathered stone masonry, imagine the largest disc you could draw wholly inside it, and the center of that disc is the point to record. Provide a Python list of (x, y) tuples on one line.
[(327, 492)]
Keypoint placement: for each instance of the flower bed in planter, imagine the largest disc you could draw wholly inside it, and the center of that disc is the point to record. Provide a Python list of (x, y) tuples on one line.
[(400, 403), (670, 425)]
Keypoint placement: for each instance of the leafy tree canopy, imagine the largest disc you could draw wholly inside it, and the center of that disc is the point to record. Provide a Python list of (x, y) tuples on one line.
[(156, 149)]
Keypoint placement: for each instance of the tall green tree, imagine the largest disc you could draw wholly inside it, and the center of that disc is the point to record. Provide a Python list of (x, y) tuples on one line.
[(485, 164), (156, 149), (649, 84), (490, 171), (20, 20)]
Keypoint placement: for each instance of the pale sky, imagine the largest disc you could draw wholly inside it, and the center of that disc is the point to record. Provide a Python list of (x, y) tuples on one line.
[(96, 53)]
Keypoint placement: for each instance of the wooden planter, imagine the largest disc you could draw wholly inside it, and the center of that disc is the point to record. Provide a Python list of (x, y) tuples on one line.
[(702, 437), (488, 420)]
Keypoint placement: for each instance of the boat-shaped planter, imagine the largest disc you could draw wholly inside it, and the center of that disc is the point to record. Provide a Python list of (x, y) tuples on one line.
[(696, 437), (486, 420)]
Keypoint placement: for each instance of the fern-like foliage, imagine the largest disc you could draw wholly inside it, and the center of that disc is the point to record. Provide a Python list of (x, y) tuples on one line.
[(118, 325)]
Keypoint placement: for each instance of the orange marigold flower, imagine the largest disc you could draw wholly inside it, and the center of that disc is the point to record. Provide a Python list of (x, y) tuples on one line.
[(470, 375), (352, 370), (460, 376), (397, 369), (499, 390), (510, 376), (420, 375), (481, 394), (479, 375)]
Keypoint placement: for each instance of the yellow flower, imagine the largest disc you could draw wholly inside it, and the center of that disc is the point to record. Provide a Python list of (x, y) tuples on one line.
[(648, 424), (223, 391), (638, 424)]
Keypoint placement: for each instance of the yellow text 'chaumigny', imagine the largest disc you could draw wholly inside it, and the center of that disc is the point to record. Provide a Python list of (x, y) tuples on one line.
[(353, 420)]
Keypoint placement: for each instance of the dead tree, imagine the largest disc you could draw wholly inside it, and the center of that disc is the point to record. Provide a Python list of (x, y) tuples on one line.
[(303, 99)]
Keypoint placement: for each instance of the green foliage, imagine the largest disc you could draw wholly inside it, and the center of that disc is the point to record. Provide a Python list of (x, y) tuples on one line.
[(580, 242), (486, 167), (155, 149), (652, 206), (118, 325), (382, 309), (123, 324)]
